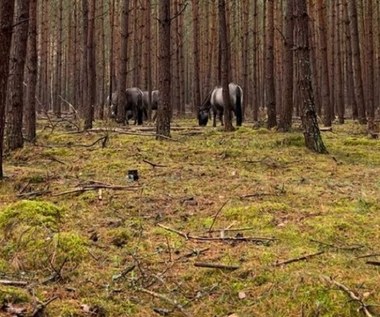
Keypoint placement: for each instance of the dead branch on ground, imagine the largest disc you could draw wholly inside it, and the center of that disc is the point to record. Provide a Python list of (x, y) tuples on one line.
[(345, 248), (301, 258), (13, 283), (188, 236), (95, 186), (217, 266), (165, 298), (376, 263), (363, 306), (153, 164)]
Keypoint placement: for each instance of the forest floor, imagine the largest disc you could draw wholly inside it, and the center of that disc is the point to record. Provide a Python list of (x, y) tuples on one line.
[(293, 233)]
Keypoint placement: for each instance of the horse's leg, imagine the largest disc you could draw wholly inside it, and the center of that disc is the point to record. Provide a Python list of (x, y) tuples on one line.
[(221, 116), (214, 117)]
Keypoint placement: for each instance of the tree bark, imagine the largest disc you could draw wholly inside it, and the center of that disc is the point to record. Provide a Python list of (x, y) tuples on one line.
[(287, 111), (325, 85), (84, 74), (358, 81), (313, 139), (164, 106), (225, 61), (255, 71), (370, 65), (196, 52), (6, 21), (15, 87), (270, 97), (121, 96), (30, 105), (58, 64), (91, 68)]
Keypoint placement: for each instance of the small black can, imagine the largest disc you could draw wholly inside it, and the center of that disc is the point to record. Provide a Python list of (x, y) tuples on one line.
[(133, 175)]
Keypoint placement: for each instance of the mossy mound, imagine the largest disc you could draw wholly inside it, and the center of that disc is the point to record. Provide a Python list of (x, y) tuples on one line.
[(32, 238)]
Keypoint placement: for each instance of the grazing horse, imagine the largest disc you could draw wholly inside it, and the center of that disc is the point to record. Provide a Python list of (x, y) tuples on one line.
[(133, 106), (214, 101), (154, 100)]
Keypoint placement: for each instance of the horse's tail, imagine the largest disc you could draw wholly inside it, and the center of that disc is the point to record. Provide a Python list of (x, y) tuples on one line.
[(239, 110)]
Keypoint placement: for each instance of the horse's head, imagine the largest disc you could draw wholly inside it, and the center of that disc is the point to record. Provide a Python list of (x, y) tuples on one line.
[(203, 117)]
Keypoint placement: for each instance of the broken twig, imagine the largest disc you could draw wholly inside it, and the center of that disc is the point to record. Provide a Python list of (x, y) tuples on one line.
[(165, 298), (187, 236), (363, 307), (13, 283), (301, 258), (217, 266)]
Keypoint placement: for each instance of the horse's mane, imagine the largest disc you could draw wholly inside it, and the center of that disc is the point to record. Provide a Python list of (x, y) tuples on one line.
[(206, 105)]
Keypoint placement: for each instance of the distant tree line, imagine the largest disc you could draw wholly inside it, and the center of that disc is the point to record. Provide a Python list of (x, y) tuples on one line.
[(69, 55)]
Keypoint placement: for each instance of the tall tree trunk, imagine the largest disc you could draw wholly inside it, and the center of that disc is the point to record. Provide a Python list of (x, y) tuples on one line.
[(325, 85), (313, 139), (225, 61), (270, 97), (164, 107), (370, 65), (148, 55), (91, 67), (350, 93), (102, 99), (111, 53), (339, 100), (58, 64), (245, 52), (196, 52), (358, 82), (44, 58), (30, 105), (6, 22), (255, 71), (287, 111), (84, 74), (121, 96), (15, 87), (332, 62)]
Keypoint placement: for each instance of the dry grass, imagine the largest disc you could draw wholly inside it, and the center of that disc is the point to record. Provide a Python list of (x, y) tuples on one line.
[(265, 181)]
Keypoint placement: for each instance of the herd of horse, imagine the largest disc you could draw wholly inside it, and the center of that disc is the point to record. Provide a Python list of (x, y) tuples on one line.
[(137, 104)]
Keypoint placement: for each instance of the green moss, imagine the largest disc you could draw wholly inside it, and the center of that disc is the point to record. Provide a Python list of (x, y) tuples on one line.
[(30, 214), (12, 295), (68, 246), (294, 140)]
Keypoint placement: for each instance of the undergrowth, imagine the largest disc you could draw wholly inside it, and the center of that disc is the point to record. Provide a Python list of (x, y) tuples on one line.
[(132, 252)]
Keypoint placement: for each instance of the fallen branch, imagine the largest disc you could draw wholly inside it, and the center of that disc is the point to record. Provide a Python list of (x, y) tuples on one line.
[(368, 255), (217, 266), (230, 230), (301, 258), (187, 236), (255, 195), (165, 298), (121, 131), (40, 307), (153, 164), (33, 194), (363, 307), (96, 186), (216, 215), (103, 140), (346, 248), (376, 263), (13, 283), (192, 253)]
